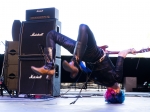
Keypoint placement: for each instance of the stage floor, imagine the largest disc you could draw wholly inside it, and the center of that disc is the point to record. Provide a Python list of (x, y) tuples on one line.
[(89, 101)]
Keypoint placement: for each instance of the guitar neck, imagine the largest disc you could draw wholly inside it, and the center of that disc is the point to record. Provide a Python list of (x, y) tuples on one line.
[(116, 52), (112, 52)]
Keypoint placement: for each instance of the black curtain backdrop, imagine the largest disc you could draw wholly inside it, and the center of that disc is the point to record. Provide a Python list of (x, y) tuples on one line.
[(133, 67)]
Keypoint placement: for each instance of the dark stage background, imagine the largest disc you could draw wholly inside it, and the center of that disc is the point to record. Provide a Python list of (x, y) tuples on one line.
[(133, 67)]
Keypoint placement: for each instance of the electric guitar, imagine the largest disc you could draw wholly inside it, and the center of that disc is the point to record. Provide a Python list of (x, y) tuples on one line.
[(116, 52)]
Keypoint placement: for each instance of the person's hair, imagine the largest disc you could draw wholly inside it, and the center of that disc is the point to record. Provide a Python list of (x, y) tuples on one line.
[(112, 97)]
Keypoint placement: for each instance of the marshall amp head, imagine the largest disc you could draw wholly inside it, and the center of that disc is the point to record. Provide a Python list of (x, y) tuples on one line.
[(45, 13)]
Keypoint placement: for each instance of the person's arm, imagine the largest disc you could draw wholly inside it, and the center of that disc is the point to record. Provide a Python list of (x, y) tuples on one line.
[(120, 60)]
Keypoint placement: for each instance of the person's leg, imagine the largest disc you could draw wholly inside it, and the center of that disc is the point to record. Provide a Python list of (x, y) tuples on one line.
[(85, 42), (78, 49), (52, 38)]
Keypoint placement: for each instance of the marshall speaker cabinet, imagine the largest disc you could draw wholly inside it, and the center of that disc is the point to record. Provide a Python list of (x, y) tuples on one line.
[(31, 83), (33, 35), (10, 64)]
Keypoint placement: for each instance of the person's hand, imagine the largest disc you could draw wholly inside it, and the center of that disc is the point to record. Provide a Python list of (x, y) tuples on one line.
[(106, 51), (125, 52), (132, 51)]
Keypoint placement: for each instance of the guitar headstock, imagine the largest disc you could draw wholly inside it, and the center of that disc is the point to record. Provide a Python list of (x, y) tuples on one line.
[(144, 50)]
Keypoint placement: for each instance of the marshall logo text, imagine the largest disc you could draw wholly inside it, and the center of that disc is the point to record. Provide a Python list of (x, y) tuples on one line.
[(35, 77), (37, 34)]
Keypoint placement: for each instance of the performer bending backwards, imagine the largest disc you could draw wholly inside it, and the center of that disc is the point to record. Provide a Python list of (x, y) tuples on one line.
[(85, 49)]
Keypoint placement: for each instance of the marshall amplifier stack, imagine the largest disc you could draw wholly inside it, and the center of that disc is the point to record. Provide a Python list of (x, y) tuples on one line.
[(32, 41)]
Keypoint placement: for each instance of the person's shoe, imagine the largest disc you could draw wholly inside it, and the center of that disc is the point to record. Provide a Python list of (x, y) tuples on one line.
[(70, 67), (43, 70)]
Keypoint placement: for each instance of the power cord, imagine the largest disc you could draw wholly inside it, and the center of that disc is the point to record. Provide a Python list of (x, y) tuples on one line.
[(73, 85), (82, 86)]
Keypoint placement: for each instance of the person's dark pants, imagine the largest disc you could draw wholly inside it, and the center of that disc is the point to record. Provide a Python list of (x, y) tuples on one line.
[(85, 36)]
